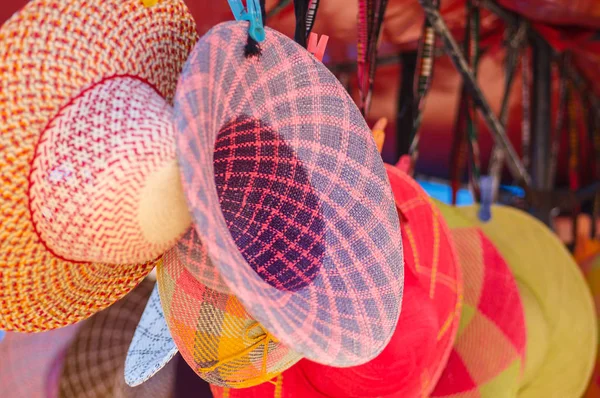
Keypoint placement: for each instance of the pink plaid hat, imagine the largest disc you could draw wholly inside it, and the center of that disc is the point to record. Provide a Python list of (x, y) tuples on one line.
[(290, 195)]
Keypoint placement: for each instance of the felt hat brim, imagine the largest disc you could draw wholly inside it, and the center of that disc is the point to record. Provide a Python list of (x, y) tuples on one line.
[(50, 52)]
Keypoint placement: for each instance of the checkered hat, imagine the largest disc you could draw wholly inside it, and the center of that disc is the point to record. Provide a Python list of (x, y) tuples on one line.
[(558, 307), (290, 196), (152, 346), (55, 56), (95, 360), (489, 353), (29, 362), (412, 362), (213, 332)]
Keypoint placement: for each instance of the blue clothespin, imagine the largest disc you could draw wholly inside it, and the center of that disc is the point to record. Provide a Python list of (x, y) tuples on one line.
[(1, 335), (486, 186), (253, 15)]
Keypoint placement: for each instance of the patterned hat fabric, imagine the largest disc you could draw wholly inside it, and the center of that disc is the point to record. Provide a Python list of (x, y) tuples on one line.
[(213, 332), (412, 362), (51, 52), (558, 307), (152, 346), (489, 353), (290, 196), (94, 362), (28, 362)]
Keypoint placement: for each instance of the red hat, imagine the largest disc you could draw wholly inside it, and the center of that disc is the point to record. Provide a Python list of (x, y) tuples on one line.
[(415, 357)]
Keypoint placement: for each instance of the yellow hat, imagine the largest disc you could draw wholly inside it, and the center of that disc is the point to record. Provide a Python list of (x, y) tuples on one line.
[(559, 309)]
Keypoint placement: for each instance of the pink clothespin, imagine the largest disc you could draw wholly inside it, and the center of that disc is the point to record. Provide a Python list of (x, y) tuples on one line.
[(316, 46)]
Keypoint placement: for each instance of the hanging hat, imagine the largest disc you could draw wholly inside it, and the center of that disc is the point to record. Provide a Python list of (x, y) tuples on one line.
[(590, 265), (86, 146), (290, 196), (94, 362), (558, 307), (412, 362), (28, 362), (488, 357), (213, 332)]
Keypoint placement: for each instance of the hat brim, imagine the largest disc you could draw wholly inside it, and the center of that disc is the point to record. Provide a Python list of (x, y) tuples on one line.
[(215, 335), (540, 262), (39, 290), (326, 274), (152, 346)]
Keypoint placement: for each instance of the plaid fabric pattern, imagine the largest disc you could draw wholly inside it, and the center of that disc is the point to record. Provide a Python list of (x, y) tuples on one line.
[(278, 139), (94, 365), (152, 346), (49, 52), (419, 349), (27, 362), (194, 256), (215, 335), (90, 172), (489, 354)]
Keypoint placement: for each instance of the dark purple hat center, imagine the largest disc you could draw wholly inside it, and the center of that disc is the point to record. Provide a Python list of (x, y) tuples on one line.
[(271, 209)]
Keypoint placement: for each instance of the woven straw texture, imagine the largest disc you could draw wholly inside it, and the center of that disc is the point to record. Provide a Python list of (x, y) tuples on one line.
[(214, 333), (489, 352), (413, 360), (94, 365), (92, 165), (591, 269), (28, 362), (417, 353), (49, 52), (304, 233), (558, 307), (152, 346)]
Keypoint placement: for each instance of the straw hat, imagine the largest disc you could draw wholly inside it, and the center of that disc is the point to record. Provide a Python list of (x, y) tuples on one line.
[(590, 265), (488, 358), (29, 362), (94, 362), (412, 362), (56, 59), (559, 310), (290, 196)]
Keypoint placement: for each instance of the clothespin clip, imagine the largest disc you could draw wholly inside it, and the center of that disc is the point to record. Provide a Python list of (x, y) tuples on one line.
[(316, 46), (405, 164), (486, 187), (252, 15), (379, 133)]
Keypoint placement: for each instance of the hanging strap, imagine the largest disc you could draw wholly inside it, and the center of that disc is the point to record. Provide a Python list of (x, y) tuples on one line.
[(306, 12), (370, 20), (526, 109), (458, 153), (424, 71), (559, 128)]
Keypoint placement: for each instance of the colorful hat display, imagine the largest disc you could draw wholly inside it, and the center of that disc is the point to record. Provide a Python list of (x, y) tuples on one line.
[(290, 195), (213, 332), (558, 307), (95, 360), (488, 358), (412, 362), (57, 60), (28, 362)]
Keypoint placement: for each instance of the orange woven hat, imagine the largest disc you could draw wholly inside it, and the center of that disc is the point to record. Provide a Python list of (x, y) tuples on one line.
[(28, 362), (95, 359), (212, 330), (488, 358), (69, 136)]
